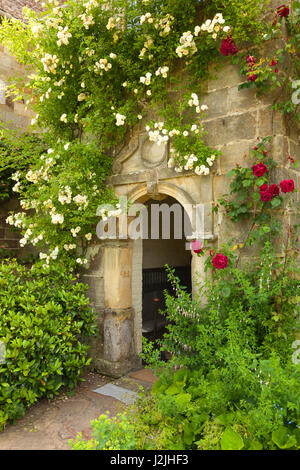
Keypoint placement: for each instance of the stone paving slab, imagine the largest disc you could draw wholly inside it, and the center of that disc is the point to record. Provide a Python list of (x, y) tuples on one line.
[(122, 394), (146, 375)]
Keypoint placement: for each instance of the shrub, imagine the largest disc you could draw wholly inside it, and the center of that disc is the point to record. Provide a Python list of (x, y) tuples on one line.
[(253, 307), (43, 319)]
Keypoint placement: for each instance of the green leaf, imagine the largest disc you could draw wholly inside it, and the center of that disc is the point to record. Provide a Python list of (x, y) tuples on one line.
[(158, 387), (260, 181), (255, 445), (174, 389), (276, 202), (283, 439), (226, 291), (180, 376), (188, 433), (231, 440), (183, 399), (225, 419)]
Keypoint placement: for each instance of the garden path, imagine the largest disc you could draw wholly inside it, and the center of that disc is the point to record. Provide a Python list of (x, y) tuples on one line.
[(48, 425)]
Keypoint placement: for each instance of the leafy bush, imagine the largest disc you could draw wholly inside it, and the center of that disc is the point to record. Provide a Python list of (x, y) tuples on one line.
[(43, 319), (17, 153), (254, 307), (252, 407), (108, 434)]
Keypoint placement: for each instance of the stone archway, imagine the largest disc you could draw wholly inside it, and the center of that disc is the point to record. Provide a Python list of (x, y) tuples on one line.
[(115, 277), (142, 194)]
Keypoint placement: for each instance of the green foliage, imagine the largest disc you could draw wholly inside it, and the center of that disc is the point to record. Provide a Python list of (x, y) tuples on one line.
[(253, 306), (43, 321), (245, 200), (115, 433), (281, 70), (17, 152), (66, 198), (240, 407)]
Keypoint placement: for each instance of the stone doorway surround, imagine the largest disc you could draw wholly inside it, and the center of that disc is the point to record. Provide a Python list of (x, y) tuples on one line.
[(115, 272)]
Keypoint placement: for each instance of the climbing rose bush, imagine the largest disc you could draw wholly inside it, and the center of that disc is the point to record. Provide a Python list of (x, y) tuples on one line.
[(95, 68)]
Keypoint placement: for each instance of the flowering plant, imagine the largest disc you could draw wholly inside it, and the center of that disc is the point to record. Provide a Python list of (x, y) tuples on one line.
[(281, 70), (98, 68)]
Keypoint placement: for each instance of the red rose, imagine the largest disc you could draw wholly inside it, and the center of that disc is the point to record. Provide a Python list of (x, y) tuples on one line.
[(266, 194), (292, 160), (252, 77), (220, 261), (274, 62), (250, 59), (196, 246), (283, 11), (260, 169), (276, 70), (274, 190), (228, 47), (287, 186)]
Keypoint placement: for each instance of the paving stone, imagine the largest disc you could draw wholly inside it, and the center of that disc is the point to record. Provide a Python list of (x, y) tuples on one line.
[(122, 394), (146, 375)]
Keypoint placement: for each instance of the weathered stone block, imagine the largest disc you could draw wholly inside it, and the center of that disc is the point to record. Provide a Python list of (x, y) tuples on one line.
[(221, 186), (270, 122), (236, 153), (117, 275), (118, 335), (280, 150), (239, 100), (231, 128), (216, 102), (12, 235), (225, 76), (19, 108), (95, 291)]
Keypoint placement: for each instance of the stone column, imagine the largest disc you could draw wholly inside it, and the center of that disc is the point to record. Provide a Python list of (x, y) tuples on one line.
[(118, 316), (198, 274)]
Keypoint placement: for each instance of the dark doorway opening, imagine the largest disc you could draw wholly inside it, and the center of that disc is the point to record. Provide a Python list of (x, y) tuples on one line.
[(156, 254)]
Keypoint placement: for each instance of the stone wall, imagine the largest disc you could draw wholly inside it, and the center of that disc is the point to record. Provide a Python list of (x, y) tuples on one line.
[(14, 113), (234, 122), (13, 8), (16, 117)]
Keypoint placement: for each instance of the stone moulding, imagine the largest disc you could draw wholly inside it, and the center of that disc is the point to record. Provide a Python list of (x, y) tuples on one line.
[(125, 153), (151, 154)]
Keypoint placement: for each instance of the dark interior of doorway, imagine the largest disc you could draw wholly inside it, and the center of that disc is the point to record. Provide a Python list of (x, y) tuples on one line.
[(155, 283)]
